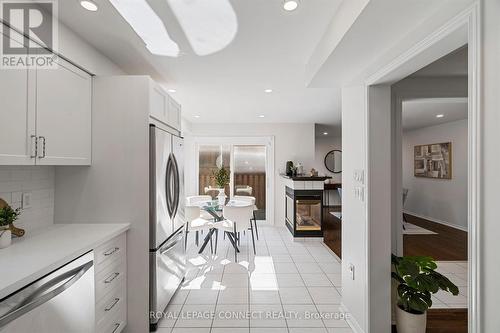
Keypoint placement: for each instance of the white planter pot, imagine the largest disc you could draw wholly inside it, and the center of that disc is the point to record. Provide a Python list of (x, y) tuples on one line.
[(221, 197), (5, 238), (410, 323)]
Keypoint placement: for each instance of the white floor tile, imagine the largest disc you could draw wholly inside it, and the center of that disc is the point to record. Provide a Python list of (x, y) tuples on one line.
[(202, 296), (191, 330), (325, 295), (316, 280), (265, 297), (335, 278), (171, 313), (295, 295), (268, 330), (233, 296), (235, 280), (289, 280), (285, 268), (308, 268)]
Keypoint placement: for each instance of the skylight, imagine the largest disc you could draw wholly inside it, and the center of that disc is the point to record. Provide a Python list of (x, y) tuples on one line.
[(148, 26), (209, 26)]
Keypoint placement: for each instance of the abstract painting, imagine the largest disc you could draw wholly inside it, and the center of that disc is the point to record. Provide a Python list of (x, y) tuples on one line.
[(433, 161)]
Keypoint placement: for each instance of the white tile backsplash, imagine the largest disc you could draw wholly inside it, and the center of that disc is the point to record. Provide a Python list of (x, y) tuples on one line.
[(39, 180)]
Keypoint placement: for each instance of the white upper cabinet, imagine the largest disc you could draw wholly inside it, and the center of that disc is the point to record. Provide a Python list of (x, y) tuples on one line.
[(63, 115), (159, 103), (17, 118), (163, 107), (45, 116), (174, 113)]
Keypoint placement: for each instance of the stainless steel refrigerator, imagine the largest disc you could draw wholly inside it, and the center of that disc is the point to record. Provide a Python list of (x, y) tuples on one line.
[(167, 259)]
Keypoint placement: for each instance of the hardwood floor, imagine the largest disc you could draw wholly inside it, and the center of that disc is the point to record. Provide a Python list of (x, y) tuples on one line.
[(448, 244), (445, 321)]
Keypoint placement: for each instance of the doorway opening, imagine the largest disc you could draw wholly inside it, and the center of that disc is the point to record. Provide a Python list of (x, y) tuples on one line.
[(432, 145), (249, 163)]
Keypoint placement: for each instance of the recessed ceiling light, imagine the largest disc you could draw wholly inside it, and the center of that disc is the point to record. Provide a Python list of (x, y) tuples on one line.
[(148, 26), (325, 133), (89, 5), (172, 90), (268, 91), (261, 116), (290, 5), (197, 116), (439, 115)]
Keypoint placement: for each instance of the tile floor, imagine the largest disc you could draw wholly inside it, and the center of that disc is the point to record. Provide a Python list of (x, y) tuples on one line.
[(288, 286), (456, 271)]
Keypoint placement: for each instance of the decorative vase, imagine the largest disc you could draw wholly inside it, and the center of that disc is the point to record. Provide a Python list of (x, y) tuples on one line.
[(410, 323), (5, 238), (221, 197)]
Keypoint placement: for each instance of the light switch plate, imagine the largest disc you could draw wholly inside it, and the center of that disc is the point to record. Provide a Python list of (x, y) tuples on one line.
[(26, 202)]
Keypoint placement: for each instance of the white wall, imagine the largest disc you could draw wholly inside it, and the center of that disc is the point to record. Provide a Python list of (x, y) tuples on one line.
[(292, 142), (354, 236), (490, 166), (39, 180), (322, 145), (438, 199)]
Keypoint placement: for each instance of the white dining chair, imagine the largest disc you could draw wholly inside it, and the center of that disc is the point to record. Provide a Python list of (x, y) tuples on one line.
[(236, 220), (250, 200), (199, 200), (195, 223)]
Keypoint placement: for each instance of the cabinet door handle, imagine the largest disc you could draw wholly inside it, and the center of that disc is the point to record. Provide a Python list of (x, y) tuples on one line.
[(110, 252), (112, 305), (34, 146), (117, 326), (111, 277), (43, 147)]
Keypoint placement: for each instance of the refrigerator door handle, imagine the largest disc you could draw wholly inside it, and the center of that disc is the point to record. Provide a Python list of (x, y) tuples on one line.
[(168, 190), (176, 186)]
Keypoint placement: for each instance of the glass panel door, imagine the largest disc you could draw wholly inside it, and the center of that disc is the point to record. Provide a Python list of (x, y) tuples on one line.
[(249, 173), (211, 158)]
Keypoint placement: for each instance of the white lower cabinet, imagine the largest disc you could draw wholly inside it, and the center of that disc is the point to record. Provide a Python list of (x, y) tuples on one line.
[(111, 286)]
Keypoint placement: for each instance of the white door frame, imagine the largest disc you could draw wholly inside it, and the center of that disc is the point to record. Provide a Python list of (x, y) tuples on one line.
[(267, 141), (439, 43)]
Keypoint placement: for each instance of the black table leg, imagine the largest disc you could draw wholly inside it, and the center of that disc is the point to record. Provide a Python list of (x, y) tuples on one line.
[(208, 237)]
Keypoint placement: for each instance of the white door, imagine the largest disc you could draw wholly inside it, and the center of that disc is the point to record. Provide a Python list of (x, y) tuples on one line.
[(63, 115), (17, 118)]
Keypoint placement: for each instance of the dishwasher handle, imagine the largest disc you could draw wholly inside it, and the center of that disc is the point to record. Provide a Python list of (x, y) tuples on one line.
[(34, 300)]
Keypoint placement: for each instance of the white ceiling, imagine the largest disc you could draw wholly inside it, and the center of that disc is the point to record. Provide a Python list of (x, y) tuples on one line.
[(453, 64), (419, 113), (270, 50)]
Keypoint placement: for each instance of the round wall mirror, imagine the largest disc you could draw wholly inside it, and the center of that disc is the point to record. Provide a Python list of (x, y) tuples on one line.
[(333, 161)]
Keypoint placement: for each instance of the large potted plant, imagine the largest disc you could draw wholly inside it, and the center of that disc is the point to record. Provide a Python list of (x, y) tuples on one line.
[(221, 177), (417, 281), (7, 217)]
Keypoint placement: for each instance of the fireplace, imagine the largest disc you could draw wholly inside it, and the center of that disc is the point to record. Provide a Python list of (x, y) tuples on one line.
[(304, 212)]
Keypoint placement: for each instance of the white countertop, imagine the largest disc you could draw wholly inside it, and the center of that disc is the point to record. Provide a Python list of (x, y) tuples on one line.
[(33, 256)]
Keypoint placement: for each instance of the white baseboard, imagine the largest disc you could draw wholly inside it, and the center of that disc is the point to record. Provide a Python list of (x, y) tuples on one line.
[(448, 224), (351, 320)]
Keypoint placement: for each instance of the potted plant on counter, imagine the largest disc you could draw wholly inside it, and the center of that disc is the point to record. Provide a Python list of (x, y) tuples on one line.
[(7, 217), (221, 177), (417, 281)]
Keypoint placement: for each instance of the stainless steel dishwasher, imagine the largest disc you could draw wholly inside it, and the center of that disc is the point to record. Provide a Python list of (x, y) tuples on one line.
[(62, 301)]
